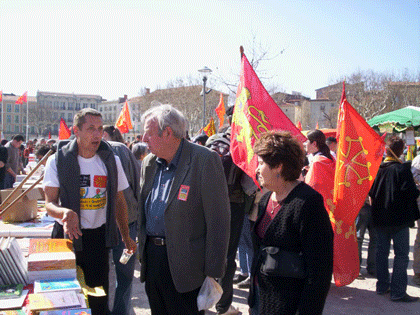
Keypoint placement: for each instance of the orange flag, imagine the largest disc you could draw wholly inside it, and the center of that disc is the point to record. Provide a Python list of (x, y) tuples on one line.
[(299, 125), (317, 125), (124, 120), (359, 154), (210, 129), (220, 111), (255, 112), (22, 99), (64, 131)]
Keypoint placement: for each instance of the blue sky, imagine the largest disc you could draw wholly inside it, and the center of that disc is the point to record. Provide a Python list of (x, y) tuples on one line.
[(112, 48)]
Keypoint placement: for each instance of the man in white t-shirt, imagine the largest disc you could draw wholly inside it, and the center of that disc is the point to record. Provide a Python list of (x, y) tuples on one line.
[(83, 184)]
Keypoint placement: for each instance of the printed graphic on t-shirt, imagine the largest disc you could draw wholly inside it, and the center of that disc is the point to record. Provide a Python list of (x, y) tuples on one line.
[(92, 198)]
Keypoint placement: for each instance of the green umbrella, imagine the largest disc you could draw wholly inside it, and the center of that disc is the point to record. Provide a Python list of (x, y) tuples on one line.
[(398, 120)]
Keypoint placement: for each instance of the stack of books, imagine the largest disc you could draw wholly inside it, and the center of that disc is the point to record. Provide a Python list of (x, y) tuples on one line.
[(51, 259), (13, 269)]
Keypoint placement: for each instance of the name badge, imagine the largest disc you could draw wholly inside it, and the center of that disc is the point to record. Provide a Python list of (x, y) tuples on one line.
[(183, 192)]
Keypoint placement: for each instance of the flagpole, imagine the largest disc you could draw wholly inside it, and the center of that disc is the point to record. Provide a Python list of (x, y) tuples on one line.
[(27, 119)]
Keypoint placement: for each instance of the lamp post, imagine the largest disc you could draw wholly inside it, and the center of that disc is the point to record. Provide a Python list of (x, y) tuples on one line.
[(204, 73)]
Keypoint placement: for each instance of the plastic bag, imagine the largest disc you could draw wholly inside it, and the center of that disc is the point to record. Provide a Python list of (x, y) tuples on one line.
[(210, 293)]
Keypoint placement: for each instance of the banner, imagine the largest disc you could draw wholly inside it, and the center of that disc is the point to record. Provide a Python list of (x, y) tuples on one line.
[(124, 120), (64, 131), (210, 129), (220, 111), (22, 99), (255, 112)]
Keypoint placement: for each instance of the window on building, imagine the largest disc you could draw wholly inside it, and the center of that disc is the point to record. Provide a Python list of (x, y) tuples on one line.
[(77, 106), (9, 108), (63, 115), (32, 130), (55, 129), (85, 105), (93, 105), (55, 116), (9, 119), (63, 106), (24, 119), (16, 119), (56, 105), (70, 107), (17, 129), (69, 117), (17, 106), (9, 128)]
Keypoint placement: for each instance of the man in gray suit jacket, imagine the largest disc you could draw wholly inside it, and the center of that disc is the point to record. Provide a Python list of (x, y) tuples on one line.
[(184, 214)]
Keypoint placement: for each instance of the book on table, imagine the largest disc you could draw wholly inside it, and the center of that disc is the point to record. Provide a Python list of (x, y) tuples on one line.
[(5, 266), (13, 303), (54, 285), (79, 311), (18, 258), (53, 301), (7, 253), (12, 312), (10, 291)]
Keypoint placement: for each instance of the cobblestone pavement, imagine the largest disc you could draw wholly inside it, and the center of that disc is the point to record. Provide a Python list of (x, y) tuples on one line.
[(356, 298)]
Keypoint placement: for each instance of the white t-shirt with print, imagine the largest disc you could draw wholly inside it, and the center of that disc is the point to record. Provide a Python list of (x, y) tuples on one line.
[(93, 194)]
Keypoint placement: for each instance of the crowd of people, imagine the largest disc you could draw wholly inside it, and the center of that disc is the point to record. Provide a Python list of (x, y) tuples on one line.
[(191, 210)]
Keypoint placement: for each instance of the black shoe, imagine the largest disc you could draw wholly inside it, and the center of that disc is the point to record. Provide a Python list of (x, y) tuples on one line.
[(245, 284), (384, 292), (239, 278), (406, 298)]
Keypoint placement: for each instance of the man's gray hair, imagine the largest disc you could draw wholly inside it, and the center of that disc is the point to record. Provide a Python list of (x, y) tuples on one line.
[(167, 116), (80, 117)]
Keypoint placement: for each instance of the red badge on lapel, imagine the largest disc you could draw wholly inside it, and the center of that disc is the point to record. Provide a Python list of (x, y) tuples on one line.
[(183, 192)]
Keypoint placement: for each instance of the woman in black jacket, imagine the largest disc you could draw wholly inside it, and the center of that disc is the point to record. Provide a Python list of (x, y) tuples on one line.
[(292, 222)]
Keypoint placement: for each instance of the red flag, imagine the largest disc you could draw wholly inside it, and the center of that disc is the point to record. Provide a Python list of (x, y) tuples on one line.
[(220, 111), (22, 99), (64, 131), (317, 125), (49, 135), (210, 129), (359, 154), (124, 121), (1, 95), (255, 112), (299, 125)]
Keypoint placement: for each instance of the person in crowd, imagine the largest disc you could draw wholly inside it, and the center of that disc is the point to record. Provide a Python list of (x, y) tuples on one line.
[(200, 139), (28, 150), (363, 223), (125, 272), (3, 142), (42, 141), (332, 145), (40, 152), (292, 225), (14, 163), (394, 210), (415, 169), (322, 162), (35, 142), (3, 161), (113, 134), (220, 143), (83, 184), (50, 142), (184, 214), (140, 151)]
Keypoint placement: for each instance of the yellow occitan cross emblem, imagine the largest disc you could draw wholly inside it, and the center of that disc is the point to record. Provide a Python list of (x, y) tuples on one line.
[(349, 167), (247, 132)]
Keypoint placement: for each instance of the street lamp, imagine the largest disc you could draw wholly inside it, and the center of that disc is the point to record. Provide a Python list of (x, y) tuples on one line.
[(204, 73)]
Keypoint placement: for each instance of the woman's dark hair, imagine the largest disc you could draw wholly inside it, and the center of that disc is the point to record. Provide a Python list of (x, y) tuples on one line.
[(396, 144), (319, 137), (114, 133), (280, 147)]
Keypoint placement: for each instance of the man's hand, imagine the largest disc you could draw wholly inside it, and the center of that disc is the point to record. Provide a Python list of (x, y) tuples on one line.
[(130, 244), (71, 224)]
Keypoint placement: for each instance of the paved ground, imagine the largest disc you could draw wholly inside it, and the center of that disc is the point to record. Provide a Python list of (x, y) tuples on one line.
[(356, 298)]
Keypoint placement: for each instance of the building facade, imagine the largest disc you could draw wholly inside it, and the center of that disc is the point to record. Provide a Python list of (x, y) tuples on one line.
[(13, 116)]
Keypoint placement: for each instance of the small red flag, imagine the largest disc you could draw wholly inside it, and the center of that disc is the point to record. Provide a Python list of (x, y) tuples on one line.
[(220, 110), (64, 131), (1, 95), (49, 135), (22, 99), (124, 120), (317, 125), (210, 129), (299, 125), (255, 112)]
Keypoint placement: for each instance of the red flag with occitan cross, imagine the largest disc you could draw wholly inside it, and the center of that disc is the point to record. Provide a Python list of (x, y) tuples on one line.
[(124, 120), (255, 112), (64, 131), (359, 154), (220, 111), (22, 99), (210, 129), (299, 125)]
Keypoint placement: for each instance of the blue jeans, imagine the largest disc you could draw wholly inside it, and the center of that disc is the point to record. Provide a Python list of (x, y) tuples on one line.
[(401, 244), (245, 248), (363, 223), (124, 275)]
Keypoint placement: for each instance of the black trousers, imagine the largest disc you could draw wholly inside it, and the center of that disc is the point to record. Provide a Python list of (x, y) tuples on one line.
[(164, 299), (93, 260)]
